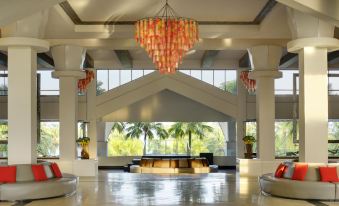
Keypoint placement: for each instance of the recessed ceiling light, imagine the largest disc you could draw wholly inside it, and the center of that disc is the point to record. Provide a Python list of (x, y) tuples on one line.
[(191, 52)]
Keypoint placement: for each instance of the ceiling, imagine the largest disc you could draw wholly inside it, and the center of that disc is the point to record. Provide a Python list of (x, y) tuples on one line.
[(132, 10)]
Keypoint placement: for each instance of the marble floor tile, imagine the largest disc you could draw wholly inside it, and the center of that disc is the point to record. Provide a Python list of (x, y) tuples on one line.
[(111, 188)]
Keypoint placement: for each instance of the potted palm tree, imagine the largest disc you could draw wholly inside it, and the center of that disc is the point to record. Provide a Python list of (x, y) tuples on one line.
[(249, 140)]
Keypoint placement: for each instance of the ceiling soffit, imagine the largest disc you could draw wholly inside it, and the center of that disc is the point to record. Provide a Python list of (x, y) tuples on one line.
[(66, 6)]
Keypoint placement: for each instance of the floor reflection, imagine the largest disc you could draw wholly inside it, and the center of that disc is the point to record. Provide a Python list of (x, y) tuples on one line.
[(185, 189)]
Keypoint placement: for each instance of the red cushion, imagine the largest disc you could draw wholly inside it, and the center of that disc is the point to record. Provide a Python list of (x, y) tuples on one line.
[(328, 174), (39, 172), (300, 171), (56, 170), (8, 174), (280, 170)]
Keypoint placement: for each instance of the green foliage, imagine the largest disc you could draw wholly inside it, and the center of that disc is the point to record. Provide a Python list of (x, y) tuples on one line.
[(284, 145), (100, 90), (49, 140), (118, 145), (147, 129), (249, 139), (229, 86)]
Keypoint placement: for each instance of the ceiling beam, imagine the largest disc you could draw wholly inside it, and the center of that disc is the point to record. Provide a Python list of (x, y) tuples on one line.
[(264, 11), (208, 58), (244, 61), (125, 58), (203, 44), (45, 60), (333, 57), (88, 63), (288, 59)]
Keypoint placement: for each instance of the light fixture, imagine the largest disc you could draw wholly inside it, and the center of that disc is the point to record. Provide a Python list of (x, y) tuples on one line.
[(166, 37), (83, 83), (250, 84)]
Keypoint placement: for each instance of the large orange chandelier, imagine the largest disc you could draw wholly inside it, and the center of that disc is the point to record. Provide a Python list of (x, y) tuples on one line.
[(166, 38), (249, 84)]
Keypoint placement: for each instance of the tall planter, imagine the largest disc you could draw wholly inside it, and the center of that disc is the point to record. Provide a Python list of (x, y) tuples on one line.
[(249, 151)]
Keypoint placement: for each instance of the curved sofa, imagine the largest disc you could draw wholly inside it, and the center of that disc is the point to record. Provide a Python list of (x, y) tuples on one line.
[(26, 188), (183, 165), (310, 188)]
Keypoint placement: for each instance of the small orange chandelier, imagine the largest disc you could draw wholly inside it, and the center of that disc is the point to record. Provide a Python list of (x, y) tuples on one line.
[(250, 84), (166, 38), (83, 83)]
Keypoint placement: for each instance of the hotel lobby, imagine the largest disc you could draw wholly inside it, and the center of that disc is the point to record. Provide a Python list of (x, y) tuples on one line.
[(169, 102)]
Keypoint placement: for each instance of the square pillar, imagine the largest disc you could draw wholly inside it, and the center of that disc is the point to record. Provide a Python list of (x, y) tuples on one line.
[(22, 105), (313, 105)]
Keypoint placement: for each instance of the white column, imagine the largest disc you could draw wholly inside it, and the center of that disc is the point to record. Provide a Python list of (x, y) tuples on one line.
[(313, 39), (68, 60), (91, 117), (241, 116), (265, 61), (22, 44)]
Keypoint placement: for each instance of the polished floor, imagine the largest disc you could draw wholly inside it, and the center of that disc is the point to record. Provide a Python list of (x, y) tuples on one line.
[(118, 188)]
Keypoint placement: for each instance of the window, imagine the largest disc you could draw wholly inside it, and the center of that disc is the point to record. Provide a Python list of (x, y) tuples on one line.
[(285, 144), (207, 76), (118, 145), (114, 78), (223, 79), (284, 85), (48, 85), (231, 81), (251, 130), (333, 82), (49, 139), (3, 83), (102, 81), (3, 138), (110, 79), (126, 76)]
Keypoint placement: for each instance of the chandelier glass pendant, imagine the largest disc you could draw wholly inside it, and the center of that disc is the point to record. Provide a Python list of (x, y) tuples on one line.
[(166, 37), (250, 84)]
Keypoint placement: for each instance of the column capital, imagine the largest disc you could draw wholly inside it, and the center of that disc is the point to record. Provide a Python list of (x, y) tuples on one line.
[(265, 73), (68, 57), (329, 43), (265, 57), (38, 45), (66, 73)]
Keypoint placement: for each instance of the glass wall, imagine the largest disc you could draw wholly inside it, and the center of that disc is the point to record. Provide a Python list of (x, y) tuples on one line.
[(49, 139), (3, 83), (3, 138), (287, 143), (223, 79), (48, 85), (284, 85), (109, 79)]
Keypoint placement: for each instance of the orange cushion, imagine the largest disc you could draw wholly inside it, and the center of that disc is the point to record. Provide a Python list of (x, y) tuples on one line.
[(300, 171), (328, 174), (8, 174), (280, 170), (56, 170), (39, 173)]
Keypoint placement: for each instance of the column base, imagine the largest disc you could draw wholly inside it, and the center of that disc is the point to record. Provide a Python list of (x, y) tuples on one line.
[(256, 167), (87, 168)]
